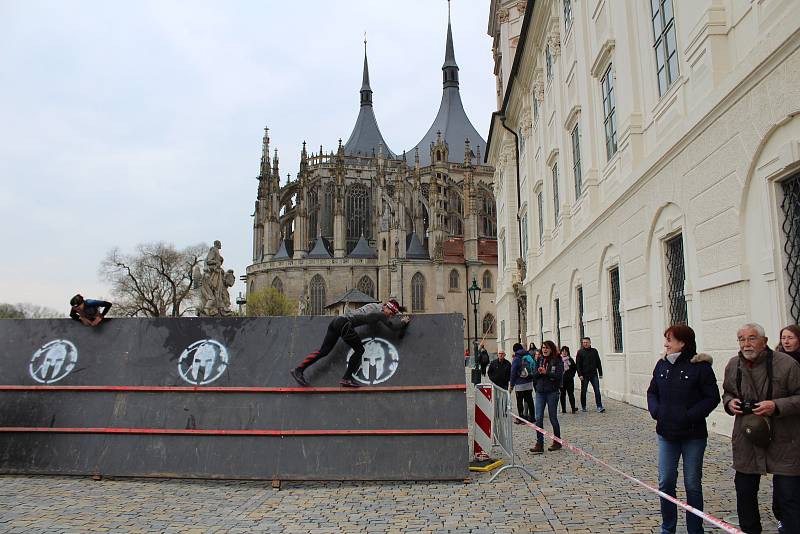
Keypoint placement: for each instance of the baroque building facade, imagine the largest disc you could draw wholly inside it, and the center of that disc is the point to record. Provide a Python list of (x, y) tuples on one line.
[(418, 225), (647, 160)]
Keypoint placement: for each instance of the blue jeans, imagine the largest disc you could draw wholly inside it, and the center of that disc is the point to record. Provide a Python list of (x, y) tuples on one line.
[(669, 452), (595, 381), (551, 400)]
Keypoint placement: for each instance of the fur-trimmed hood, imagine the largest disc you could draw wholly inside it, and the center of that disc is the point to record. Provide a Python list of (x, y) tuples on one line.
[(702, 357)]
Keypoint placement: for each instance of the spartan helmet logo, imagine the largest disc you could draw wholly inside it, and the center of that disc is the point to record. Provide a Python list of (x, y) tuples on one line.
[(53, 361), (203, 362), (379, 362)]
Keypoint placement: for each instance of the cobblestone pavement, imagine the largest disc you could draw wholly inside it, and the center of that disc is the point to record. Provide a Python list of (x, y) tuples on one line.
[(570, 495)]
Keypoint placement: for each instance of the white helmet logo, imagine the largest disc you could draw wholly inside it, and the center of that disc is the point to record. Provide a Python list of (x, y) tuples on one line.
[(379, 362), (203, 362), (53, 361)]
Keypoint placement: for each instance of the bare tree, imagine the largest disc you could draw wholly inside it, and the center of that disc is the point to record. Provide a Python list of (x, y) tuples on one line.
[(154, 281), (26, 310)]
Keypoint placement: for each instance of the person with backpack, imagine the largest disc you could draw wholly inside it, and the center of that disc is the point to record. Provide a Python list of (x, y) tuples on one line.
[(548, 373), (568, 382), (522, 383)]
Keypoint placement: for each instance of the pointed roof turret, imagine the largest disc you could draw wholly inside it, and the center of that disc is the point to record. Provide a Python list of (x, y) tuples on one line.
[(451, 119), (363, 250), (366, 136), (283, 252), (415, 250), (319, 250)]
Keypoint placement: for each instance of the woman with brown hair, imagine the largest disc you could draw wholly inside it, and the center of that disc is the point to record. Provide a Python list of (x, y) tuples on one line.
[(790, 341), (548, 373), (682, 394)]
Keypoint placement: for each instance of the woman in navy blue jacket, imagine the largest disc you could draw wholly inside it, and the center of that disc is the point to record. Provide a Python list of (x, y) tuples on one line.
[(682, 394)]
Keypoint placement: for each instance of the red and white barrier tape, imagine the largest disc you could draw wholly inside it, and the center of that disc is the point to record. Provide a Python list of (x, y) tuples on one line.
[(727, 527)]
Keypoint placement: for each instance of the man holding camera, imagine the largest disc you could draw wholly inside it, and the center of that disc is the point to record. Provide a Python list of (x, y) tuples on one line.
[(762, 391)]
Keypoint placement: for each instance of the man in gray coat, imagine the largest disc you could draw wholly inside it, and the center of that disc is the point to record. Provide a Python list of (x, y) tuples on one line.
[(762, 391)]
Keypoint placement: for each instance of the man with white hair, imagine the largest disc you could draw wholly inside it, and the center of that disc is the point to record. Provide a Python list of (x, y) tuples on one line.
[(762, 391)]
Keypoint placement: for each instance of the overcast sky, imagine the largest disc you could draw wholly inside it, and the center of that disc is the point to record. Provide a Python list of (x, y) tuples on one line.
[(131, 122)]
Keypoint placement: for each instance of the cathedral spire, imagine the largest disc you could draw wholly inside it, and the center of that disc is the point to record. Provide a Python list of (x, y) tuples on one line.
[(366, 91), (450, 67)]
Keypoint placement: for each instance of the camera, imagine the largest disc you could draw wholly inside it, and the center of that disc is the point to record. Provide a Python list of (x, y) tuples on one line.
[(747, 406)]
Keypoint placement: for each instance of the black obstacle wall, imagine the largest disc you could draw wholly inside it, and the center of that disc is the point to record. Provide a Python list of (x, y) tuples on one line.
[(212, 398)]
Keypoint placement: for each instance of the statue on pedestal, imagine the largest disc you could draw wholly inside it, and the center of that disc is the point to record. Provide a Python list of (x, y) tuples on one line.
[(215, 301)]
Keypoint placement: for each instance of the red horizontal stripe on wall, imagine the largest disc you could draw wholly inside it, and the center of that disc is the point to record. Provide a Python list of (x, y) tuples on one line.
[(181, 431), (200, 389)]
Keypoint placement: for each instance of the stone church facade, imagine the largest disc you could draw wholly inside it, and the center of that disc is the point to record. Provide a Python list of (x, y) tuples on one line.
[(418, 225), (647, 173)]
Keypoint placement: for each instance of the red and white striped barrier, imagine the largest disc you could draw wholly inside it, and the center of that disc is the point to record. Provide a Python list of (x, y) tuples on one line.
[(727, 527), (482, 435)]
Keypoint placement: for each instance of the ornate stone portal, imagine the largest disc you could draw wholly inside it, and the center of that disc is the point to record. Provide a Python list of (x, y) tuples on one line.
[(214, 282)]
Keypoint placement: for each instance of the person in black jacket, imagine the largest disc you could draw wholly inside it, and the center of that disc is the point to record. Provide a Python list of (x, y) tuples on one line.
[(682, 394), (568, 382), (500, 370), (483, 359), (87, 311), (547, 378), (590, 371)]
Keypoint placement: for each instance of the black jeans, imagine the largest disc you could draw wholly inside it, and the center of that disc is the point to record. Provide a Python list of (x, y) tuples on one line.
[(595, 381), (339, 327), (525, 398), (568, 388), (785, 492)]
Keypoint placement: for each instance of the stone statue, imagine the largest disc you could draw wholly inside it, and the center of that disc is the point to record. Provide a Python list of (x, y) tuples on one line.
[(215, 300), (304, 302)]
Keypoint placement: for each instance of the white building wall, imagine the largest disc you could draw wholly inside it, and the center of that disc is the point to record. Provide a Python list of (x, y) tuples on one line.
[(703, 159)]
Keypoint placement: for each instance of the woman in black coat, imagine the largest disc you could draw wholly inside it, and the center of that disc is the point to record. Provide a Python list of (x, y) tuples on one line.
[(568, 382), (682, 394)]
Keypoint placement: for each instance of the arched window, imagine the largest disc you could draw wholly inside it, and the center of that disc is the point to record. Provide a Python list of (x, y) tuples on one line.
[(366, 286), (358, 221), (488, 226), (313, 213), (488, 324), (277, 283), (454, 279), (418, 293), (317, 288), (455, 212), (327, 211), (487, 280)]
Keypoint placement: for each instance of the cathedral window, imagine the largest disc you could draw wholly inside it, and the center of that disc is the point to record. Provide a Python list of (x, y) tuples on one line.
[(454, 280), (455, 212), (366, 286), (488, 225), (487, 281), (488, 324), (277, 283), (317, 288), (313, 213), (327, 211), (358, 221), (418, 293)]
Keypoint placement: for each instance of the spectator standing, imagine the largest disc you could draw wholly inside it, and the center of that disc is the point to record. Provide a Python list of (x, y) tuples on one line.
[(682, 394), (483, 359), (532, 349), (549, 371), (521, 382), (590, 371), (500, 370), (568, 382), (790, 341), (762, 392)]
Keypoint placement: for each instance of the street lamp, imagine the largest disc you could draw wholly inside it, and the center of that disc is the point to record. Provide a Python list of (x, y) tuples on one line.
[(475, 299), (241, 301)]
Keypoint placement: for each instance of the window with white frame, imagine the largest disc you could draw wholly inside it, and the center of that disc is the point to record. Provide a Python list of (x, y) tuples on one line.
[(664, 43), (576, 161), (540, 209), (556, 200), (524, 224), (609, 111), (567, 15)]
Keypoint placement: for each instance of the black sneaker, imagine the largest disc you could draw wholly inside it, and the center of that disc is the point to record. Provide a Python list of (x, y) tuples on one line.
[(297, 374), (349, 383)]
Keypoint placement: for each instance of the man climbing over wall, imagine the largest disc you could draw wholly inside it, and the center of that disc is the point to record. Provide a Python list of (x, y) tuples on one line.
[(87, 311), (343, 327)]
